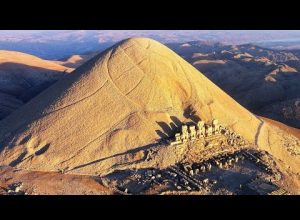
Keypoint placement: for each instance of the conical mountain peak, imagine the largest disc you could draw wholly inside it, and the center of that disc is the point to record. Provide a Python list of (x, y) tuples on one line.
[(106, 114)]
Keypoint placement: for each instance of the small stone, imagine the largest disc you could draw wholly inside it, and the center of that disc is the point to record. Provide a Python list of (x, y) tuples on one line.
[(277, 176), (158, 176), (185, 182), (149, 173), (189, 188), (18, 188), (209, 166), (179, 187), (197, 171), (153, 177), (236, 159), (191, 172), (203, 168), (225, 165), (126, 190), (205, 181)]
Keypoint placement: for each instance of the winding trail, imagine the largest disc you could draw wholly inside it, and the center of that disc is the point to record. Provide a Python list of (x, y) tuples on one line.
[(258, 129)]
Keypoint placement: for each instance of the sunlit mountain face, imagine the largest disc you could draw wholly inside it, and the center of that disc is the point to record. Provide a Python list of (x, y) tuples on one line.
[(59, 44)]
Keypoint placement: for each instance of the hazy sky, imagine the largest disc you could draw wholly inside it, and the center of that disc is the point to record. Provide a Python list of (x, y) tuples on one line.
[(223, 36), (58, 44)]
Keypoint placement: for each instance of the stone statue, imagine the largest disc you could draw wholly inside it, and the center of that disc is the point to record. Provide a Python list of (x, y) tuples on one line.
[(216, 126), (208, 131), (192, 133), (184, 133), (177, 137), (200, 129)]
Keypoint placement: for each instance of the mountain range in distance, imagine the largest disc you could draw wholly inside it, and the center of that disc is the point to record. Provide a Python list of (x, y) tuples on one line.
[(60, 44), (264, 81)]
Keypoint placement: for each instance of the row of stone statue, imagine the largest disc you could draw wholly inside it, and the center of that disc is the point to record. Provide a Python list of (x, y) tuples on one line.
[(192, 132)]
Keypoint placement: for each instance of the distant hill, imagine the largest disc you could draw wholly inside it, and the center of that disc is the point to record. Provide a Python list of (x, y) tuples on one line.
[(76, 60), (58, 44), (265, 81), (22, 76)]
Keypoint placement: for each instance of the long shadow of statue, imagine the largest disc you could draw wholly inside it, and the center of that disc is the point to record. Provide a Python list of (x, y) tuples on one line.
[(169, 130), (190, 113)]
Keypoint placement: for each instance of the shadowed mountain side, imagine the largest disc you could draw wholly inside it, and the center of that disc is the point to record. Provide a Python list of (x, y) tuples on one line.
[(16, 78), (8, 104), (115, 103), (20, 82), (22, 76), (243, 71)]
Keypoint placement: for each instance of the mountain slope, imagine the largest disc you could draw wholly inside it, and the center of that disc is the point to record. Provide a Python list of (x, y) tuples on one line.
[(95, 120)]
